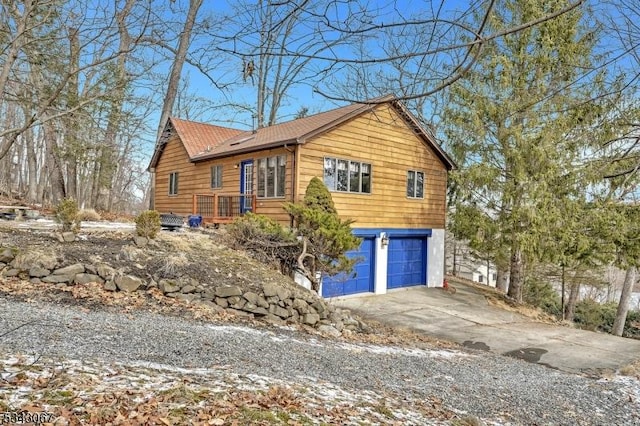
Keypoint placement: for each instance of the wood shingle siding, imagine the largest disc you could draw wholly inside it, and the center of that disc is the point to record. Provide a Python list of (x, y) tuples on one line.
[(382, 138), (195, 178)]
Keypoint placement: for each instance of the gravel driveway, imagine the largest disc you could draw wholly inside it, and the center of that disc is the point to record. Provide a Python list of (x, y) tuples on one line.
[(493, 388)]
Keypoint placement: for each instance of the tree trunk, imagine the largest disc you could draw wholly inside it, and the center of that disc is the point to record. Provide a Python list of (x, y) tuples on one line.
[(176, 69), (502, 282), (54, 164), (72, 139), (570, 308), (516, 273), (625, 297)]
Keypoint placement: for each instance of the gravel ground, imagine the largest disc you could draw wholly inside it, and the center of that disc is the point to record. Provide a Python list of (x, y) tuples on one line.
[(495, 389)]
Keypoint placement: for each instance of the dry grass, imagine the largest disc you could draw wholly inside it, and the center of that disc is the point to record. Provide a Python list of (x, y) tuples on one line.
[(498, 299), (631, 370), (89, 215)]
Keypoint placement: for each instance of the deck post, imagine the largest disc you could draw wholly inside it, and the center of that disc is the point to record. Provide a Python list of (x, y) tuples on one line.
[(194, 206), (215, 206), (253, 204)]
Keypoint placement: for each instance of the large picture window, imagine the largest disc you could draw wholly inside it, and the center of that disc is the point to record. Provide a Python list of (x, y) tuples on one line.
[(347, 176), (415, 184), (271, 176), (216, 176), (173, 183)]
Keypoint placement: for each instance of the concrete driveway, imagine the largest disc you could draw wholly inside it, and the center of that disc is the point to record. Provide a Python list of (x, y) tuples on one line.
[(466, 318)]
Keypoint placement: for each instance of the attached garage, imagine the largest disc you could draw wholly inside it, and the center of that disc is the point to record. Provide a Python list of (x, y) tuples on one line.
[(363, 282), (407, 261)]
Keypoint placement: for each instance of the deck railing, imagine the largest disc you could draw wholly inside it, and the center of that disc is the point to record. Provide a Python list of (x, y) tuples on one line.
[(215, 208)]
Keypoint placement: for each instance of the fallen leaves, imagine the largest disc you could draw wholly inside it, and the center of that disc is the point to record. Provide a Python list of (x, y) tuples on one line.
[(91, 393)]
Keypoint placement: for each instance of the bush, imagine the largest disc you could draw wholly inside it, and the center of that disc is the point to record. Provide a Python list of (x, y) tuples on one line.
[(326, 238), (148, 224), (592, 315), (89, 215), (542, 295), (66, 214), (266, 240)]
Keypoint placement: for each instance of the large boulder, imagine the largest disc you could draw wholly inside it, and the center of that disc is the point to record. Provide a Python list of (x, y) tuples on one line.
[(74, 269), (128, 283), (6, 255), (228, 291), (87, 278)]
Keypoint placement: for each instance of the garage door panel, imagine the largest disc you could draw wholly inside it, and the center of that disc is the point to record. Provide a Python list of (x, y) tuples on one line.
[(343, 284), (407, 262)]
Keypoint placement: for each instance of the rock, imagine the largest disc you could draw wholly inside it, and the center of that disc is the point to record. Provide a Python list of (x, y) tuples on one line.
[(152, 284), (188, 289), (329, 331), (279, 311), (288, 301), (239, 304), (251, 297), (87, 278), (262, 302), (140, 241), (258, 310), (74, 269), (272, 319), (6, 255), (57, 279), (187, 297), (91, 269), (129, 253), (217, 309), (283, 293), (318, 306), (2, 265), (208, 295), (310, 319), (273, 300), (35, 281), (38, 272), (269, 290), (301, 306), (221, 301), (295, 316), (110, 286), (167, 286), (239, 313), (173, 295), (128, 283), (228, 291), (105, 271), (58, 237), (68, 237)]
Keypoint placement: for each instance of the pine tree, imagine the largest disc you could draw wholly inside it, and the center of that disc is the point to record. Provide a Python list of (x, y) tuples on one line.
[(517, 124)]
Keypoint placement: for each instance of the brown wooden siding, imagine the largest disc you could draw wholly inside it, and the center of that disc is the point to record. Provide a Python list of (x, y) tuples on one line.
[(195, 178), (383, 139)]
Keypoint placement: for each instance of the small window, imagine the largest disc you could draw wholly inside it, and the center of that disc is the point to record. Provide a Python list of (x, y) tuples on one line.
[(271, 176), (216, 176), (480, 278), (173, 183), (347, 176), (415, 184)]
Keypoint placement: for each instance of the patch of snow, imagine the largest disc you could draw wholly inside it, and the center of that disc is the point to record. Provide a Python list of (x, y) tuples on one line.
[(392, 350)]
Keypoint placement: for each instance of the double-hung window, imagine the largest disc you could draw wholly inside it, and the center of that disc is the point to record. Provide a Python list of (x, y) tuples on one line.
[(173, 183), (271, 176), (415, 184), (216, 176), (347, 176)]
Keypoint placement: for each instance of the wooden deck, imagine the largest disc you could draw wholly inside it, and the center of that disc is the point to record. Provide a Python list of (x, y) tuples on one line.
[(218, 209)]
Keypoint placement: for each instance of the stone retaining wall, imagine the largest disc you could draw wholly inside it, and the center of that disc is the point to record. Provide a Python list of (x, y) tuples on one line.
[(274, 303)]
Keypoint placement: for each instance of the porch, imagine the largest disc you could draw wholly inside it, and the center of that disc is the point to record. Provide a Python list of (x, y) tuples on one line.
[(217, 209)]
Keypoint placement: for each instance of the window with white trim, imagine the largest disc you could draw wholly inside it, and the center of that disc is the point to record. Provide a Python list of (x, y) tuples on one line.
[(347, 176), (216, 176), (271, 176), (415, 184), (173, 183)]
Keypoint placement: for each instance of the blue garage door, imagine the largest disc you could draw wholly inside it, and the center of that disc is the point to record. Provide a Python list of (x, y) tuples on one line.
[(342, 284), (407, 264)]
